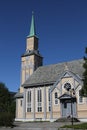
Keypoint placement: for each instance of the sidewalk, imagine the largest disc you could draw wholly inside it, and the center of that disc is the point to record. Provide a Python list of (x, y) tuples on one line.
[(36, 126)]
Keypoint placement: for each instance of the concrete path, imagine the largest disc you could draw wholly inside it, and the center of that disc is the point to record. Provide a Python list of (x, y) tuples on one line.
[(37, 126)]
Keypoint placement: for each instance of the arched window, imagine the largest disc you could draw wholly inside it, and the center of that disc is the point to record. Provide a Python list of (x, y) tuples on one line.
[(56, 98)]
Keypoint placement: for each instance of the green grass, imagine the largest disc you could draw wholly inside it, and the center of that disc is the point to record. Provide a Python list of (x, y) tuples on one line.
[(82, 126)]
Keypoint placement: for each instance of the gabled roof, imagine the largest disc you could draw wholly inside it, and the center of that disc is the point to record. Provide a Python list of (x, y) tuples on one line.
[(66, 96), (18, 95), (50, 74), (67, 73)]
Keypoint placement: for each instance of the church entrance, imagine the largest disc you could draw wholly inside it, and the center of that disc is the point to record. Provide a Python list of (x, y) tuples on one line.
[(68, 106)]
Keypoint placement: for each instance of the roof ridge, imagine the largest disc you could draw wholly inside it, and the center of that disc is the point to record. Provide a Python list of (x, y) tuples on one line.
[(59, 63)]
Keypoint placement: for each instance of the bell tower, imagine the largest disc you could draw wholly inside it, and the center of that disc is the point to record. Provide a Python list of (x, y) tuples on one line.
[(31, 59)]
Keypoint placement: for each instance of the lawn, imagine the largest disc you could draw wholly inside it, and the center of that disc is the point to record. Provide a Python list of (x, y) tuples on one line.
[(82, 126)]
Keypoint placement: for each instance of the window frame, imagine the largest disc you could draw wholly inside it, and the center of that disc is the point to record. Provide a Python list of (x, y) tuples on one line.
[(56, 102), (39, 100), (21, 102), (80, 98), (29, 98)]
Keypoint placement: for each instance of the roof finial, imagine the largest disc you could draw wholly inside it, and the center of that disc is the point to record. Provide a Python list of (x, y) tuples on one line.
[(32, 27), (66, 66), (32, 12)]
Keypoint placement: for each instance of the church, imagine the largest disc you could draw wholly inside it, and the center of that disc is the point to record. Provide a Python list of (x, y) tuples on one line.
[(49, 92)]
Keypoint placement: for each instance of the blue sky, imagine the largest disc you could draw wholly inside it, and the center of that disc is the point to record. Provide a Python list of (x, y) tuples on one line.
[(61, 26)]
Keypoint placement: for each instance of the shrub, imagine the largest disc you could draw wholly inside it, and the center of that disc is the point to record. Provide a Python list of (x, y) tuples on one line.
[(7, 106), (6, 119)]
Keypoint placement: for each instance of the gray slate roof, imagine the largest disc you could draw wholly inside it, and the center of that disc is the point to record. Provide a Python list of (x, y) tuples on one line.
[(18, 95), (50, 73)]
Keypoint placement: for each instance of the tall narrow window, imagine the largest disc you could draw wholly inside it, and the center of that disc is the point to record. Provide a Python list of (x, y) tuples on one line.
[(29, 101), (56, 98), (39, 100), (49, 106), (80, 97), (27, 75), (21, 103)]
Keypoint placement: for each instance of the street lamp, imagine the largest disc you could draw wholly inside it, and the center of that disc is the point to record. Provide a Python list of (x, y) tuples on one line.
[(71, 94), (72, 110)]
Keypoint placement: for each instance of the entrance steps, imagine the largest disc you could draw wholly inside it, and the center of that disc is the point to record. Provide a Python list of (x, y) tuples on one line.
[(68, 119)]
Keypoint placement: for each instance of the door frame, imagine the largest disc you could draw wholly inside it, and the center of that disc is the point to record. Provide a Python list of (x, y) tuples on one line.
[(68, 99)]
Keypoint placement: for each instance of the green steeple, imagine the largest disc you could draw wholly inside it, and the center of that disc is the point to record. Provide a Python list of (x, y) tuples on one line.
[(32, 27)]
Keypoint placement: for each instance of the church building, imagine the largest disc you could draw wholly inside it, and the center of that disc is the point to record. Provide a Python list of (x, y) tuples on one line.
[(49, 92)]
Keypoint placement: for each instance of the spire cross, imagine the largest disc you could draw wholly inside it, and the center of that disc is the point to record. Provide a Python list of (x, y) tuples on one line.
[(66, 66), (32, 12)]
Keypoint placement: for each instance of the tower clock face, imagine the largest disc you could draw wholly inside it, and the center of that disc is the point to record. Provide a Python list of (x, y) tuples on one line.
[(67, 86)]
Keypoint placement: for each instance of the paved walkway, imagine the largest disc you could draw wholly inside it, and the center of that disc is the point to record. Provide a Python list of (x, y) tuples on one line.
[(37, 126)]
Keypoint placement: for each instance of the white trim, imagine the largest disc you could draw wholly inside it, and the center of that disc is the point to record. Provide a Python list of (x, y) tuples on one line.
[(51, 120), (23, 120), (31, 120), (83, 119)]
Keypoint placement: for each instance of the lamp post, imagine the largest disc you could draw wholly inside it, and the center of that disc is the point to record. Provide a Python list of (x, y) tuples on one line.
[(71, 91), (72, 109)]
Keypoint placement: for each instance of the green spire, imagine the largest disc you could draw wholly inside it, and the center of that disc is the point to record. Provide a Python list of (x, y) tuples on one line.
[(32, 27)]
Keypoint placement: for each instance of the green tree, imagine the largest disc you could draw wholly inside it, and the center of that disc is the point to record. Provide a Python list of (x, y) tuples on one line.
[(84, 87), (4, 98), (12, 105), (7, 106)]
